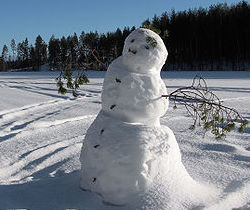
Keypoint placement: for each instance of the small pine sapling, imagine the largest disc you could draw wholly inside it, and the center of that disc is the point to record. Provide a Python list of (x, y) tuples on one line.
[(67, 81)]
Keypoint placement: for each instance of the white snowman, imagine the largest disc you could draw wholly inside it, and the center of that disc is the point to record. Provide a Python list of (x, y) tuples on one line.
[(126, 149)]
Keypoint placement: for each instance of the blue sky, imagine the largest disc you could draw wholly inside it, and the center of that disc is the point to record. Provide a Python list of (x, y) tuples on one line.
[(28, 18)]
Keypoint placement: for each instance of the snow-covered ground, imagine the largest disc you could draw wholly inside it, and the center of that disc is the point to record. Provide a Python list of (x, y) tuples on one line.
[(41, 135)]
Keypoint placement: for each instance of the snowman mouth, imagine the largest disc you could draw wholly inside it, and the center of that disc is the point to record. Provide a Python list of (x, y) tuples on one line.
[(132, 51)]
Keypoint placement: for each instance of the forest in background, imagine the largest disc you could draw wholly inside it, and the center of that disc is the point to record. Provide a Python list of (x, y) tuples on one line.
[(215, 38)]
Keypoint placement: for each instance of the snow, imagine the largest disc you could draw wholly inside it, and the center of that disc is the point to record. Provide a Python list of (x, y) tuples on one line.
[(42, 132)]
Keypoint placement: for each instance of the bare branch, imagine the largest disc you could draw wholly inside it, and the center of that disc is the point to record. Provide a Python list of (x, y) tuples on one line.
[(97, 59), (207, 109)]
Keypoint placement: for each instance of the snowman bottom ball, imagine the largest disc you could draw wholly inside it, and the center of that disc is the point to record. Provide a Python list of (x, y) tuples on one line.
[(120, 160)]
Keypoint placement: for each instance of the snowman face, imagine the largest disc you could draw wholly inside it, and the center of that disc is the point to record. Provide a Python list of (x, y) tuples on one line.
[(144, 51)]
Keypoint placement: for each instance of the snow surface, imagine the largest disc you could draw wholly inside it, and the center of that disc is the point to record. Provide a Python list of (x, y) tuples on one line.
[(41, 137)]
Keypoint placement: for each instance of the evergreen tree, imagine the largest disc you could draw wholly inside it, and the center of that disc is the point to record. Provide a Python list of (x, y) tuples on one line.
[(4, 59), (20, 53), (40, 51), (23, 53), (13, 48), (2, 64), (5, 53), (32, 57), (54, 52), (119, 41), (74, 49), (146, 24), (26, 49), (64, 57), (82, 48)]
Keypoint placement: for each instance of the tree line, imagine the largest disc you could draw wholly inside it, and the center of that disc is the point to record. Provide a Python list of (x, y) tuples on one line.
[(216, 38), (23, 55), (92, 50)]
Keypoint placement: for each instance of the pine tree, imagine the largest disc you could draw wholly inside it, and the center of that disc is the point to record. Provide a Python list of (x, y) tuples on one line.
[(4, 59), (13, 48), (20, 52), (82, 48), (119, 42), (146, 24), (32, 57), (26, 49), (74, 49), (54, 52), (64, 51), (5, 53), (40, 51), (23, 53), (2, 64)]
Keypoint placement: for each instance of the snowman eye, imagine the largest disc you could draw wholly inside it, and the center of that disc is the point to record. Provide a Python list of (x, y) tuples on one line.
[(132, 40), (147, 47)]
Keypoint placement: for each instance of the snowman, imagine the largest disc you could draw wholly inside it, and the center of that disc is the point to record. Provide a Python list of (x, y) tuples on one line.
[(126, 152)]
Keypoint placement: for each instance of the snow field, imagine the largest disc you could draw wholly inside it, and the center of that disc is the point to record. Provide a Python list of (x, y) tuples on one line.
[(41, 135)]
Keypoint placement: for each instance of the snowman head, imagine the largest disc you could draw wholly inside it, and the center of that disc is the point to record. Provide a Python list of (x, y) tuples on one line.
[(144, 51)]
